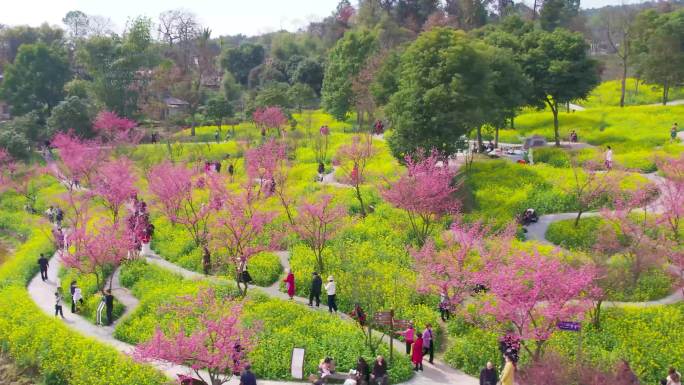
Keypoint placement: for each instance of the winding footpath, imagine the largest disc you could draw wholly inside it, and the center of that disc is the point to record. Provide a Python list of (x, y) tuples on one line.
[(42, 294), (537, 232)]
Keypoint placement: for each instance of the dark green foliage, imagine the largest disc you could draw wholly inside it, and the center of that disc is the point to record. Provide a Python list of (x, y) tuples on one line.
[(74, 114), (345, 61), (240, 60), (35, 81)]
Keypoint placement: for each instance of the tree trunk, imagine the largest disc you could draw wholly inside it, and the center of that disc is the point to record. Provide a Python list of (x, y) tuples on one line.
[(623, 83), (577, 219), (554, 109), (192, 125), (636, 86), (358, 196), (479, 138), (319, 260), (666, 91), (513, 123), (496, 137), (596, 319)]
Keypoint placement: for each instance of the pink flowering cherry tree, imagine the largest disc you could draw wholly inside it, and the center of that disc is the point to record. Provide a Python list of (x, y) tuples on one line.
[(590, 186), (214, 345), (317, 224), (425, 192), (533, 292), (78, 159), (114, 183), (353, 158), (183, 196), (238, 234), (264, 163), (115, 129), (97, 246), (450, 270), (671, 198), (269, 118)]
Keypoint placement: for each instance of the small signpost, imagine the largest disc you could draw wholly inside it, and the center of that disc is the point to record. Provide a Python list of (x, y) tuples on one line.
[(571, 326), (386, 319)]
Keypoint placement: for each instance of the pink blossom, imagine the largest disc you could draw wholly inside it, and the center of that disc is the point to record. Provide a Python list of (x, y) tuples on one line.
[(317, 223), (352, 159), (216, 341), (172, 186), (78, 159), (238, 231), (113, 128), (269, 117), (114, 182), (534, 292), (263, 162), (425, 192), (95, 245)]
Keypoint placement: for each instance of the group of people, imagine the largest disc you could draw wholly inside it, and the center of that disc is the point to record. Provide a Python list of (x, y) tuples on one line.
[(316, 290), (139, 224), (363, 374), (490, 376), (55, 215), (419, 345)]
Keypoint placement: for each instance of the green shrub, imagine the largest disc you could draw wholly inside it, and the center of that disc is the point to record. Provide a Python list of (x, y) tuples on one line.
[(583, 237), (471, 350), (553, 156), (265, 268)]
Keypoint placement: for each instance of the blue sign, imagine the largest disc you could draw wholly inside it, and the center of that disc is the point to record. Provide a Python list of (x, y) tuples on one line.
[(569, 326)]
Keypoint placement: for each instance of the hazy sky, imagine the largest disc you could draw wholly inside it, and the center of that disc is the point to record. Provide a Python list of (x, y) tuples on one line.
[(221, 16)]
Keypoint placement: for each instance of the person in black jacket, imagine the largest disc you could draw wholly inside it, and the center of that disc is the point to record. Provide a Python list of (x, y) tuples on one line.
[(379, 375), (488, 375), (316, 284), (362, 372), (109, 303)]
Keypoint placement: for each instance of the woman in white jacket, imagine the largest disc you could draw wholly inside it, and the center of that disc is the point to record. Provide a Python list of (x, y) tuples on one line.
[(331, 289)]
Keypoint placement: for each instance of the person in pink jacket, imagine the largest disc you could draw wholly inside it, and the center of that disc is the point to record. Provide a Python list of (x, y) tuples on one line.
[(290, 284), (408, 337)]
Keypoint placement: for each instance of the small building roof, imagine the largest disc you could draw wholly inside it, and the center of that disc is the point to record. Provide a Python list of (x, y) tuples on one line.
[(170, 101)]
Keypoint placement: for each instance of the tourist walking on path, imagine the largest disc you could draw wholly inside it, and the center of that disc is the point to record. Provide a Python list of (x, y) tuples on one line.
[(673, 377), (444, 307), (428, 343), (44, 264), (379, 375), (109, 303), (408, 335), (77, 296), (673, 132), (609, 158), (417, 353), (247, 377), (508, 374), (316, 286), (331, 289), (58, 304), (488, 375), (290, 283)]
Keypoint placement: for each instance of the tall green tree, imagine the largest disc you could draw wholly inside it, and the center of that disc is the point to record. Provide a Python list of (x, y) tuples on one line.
[(35, 81), (217, 109), (240, 60), (346, 59), (559, 68), (73, 113), (661, 48), (443, 83), (558, 13)]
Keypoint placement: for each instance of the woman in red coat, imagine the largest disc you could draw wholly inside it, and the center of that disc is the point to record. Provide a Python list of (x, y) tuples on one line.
[(290, 283), (417, 353)]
